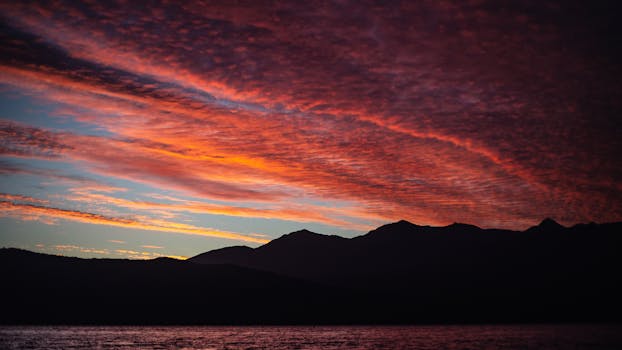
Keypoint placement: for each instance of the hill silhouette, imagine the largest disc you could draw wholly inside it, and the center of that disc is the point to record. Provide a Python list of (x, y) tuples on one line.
[(40, 288), (397, 273), (545, 271), (438, 255)]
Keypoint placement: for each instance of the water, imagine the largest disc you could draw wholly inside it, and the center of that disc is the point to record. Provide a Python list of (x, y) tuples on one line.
[(325, 337)]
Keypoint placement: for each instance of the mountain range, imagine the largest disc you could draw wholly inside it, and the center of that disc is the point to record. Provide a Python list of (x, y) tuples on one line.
[(397, 273)]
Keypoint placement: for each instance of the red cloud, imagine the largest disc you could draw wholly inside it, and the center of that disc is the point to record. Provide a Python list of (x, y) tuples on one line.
[(433, 112)]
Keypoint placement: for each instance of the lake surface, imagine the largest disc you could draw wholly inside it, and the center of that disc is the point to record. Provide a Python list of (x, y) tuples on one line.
[(320, 337)]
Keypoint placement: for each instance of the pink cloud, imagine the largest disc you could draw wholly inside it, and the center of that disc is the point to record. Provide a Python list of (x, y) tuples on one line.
[(434, 112)]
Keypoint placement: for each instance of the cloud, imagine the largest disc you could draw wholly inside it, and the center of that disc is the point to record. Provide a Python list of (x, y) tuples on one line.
[(70, 249), (141, 255), (35, 212), (65, 248), (293, 212), (151, 247), (430, 111), (24, 141), (20, 198), (55, 176), (131, 159)]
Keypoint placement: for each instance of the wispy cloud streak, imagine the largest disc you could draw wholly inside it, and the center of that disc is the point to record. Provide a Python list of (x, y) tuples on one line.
[(430, 111), (34, 212)]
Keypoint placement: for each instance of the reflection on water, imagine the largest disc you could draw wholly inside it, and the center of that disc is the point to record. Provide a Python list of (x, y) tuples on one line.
[(321, 337)]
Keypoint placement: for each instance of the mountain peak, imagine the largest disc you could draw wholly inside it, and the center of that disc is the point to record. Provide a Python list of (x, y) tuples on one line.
[(301, 238), (549, 223), (304, 233), (398, 224), (300, 235), (398, 227)]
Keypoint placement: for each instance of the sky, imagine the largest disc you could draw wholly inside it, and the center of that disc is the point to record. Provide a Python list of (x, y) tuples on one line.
[(139, 129)]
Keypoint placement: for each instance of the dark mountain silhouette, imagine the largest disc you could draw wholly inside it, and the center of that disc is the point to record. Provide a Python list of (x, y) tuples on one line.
[(397, 273), (546, 270), (430, 253), (40, 288), (547, 225)]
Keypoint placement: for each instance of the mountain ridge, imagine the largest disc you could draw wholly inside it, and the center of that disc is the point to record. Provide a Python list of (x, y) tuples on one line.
[(402, 250), (403, 230), (397, 273)]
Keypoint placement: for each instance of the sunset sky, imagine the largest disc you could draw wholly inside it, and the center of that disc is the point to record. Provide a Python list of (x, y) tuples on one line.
[(143, 129)]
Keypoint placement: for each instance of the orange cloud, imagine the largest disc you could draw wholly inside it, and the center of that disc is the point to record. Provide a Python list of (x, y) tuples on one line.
[(35, 211), (69, 249), (307, 213), (273, 110)]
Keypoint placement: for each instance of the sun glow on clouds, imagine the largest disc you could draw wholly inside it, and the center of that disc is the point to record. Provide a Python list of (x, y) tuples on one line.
[(342, 116), (68, 249), (42, 213)]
